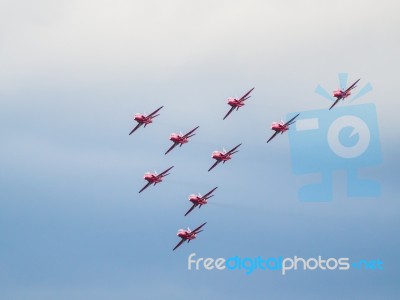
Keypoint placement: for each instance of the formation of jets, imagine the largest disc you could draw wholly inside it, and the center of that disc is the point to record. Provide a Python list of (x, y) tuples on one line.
[(219, 156)]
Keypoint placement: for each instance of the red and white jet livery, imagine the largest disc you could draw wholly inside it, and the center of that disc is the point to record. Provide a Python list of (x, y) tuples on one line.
[(145, 120), (188, 235), (180, 139), (237, 103), (341, 95), (154, 178), (199, 200), (222, 156), (280, 127)]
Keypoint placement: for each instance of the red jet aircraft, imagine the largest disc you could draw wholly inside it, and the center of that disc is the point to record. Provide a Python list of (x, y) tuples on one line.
[(180, 139), (199, 200), (281, 127), (237, 103), (222, 156), (145, 120), (341, 95), (154, 178), (188, 235)]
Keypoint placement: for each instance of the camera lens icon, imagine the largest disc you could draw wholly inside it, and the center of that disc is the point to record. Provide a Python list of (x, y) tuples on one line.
[(324, 141), (359, 127)]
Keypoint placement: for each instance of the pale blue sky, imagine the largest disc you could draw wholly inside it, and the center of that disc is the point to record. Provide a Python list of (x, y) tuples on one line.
[(73, 73)]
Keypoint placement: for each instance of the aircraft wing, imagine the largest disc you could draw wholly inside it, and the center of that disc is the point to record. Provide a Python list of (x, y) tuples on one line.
[(229, 112), (172, 147), (193, 206), (154, 112), (191, 131), (214, 165), (274, 135), (233, 149), (352, 86), (145, 187), (164, 172), (198, 228), (209, 193), (134, 129), (334, 103), (180, 243), (243, 98), (291, 120)]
